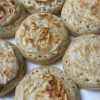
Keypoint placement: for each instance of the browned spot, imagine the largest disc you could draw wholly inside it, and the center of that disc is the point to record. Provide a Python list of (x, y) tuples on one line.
[(98, 0), (1, 54), (96, 47), (6, 72), (53, 20), (86, 50), (27, 39), (50, 18), (13, 2), (54, 87), (82, 4), (26, 27), (56, 39), (34, 26), (91, 47), (7, 6), (44, 15), (88, 20), (2, 12), (44, 1), (56, 24), (42, 41), (94, 8)]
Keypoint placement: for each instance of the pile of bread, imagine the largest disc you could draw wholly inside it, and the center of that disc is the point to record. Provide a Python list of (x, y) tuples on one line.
[(42, 37)]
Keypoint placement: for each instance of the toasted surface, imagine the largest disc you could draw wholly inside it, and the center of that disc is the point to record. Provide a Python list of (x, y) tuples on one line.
[(82, 16), (50, 6), (42, 38), (11, 67), (82, 61), (46, 84), (11, 16), (8, 63)]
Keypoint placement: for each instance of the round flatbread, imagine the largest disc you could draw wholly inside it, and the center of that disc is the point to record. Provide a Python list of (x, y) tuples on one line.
[(82, 16), (82, 61), (42, 38), (11, 16), (50, 6), (11, 67), (48, 83)]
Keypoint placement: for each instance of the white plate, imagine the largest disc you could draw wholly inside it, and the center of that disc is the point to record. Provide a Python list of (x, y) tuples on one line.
[(84, 94)]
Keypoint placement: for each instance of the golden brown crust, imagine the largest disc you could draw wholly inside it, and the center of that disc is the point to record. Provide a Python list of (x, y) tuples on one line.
[(13, 82), (44, 1), (9, 11), (54, 87), (51, 88), (36, 6), (82, 61), (42, 37), (82, 16), (11, 16), (8, 63), (46, 84)]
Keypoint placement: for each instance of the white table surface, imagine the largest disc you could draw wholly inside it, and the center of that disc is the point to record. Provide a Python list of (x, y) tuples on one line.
[(84, 94)]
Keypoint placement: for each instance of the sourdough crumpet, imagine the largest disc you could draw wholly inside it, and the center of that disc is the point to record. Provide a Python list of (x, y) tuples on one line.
[(36, 6), (82, 16), (82, 61), (42, 38), (11, 67), (48, 83), (11, 16)]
